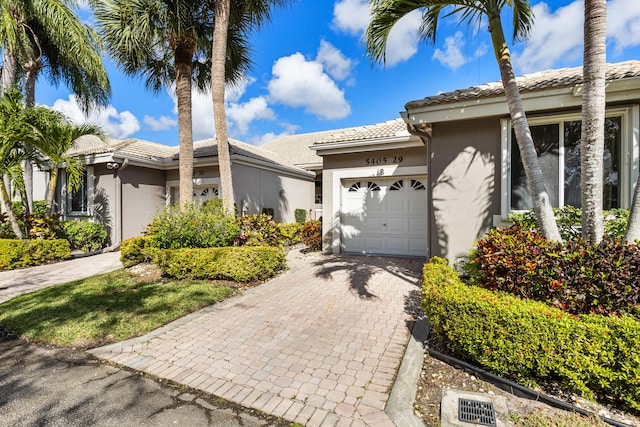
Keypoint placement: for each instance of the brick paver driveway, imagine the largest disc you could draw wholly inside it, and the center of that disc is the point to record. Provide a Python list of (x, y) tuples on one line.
[(318, 345)]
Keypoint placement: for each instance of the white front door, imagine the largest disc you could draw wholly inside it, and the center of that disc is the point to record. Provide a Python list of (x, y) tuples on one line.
[(385, 215)]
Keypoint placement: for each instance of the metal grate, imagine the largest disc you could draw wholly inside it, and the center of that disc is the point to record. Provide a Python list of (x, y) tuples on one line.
[(476, 412)]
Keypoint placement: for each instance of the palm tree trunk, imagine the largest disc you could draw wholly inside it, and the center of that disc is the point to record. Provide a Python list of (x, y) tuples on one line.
[(593, 117), (9, 69), (53, 181), (6, 200), (633, 223), (535, 181), (185, 125), (218, 63), (32, 68)]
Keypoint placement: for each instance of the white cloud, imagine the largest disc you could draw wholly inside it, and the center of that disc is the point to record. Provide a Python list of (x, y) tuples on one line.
[(201, 115), (243, 114), (351, 16), (337, 65), (233, 93), (116, 125), (555, 36), (298, 82), (623, 23), (403, 39), (451, 57), (161, 123)]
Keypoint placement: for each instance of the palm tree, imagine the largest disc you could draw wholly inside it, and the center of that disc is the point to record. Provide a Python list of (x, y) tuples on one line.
[(245, 14), (15, 131), (48, 35), (54, 135), (169, 42), (387, 12), (593, 118)]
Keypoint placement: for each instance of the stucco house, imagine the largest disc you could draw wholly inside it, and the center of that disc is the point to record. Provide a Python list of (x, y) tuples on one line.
[(434, 181), (127, 182)]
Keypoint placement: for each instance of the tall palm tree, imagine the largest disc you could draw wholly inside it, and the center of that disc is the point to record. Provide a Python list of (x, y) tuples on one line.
[(387, 12), (169, 42), (245, 14), (54, 135), (593, 118)]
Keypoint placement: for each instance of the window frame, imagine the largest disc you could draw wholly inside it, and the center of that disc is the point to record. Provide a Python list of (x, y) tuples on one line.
[(67, 195), (629, 141)]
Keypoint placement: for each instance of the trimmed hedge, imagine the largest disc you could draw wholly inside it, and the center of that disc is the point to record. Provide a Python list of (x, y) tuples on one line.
[(136, 250), (239, 264), (592, 355), (85, 235), (26, 253)]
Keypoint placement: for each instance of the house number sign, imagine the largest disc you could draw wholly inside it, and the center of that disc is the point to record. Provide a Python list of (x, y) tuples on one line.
[(375, 161)]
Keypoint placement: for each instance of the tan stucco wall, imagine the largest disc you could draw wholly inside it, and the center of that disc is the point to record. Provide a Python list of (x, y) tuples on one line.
[(143, 194), (365, 164), (465, 184), (259, 188), (104, 200)]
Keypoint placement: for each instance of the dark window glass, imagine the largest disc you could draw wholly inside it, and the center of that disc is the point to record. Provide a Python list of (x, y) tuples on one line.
[(546, 140), (79, 198)]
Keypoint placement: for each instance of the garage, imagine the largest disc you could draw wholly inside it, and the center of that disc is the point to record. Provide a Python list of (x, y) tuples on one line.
[(385, 215)]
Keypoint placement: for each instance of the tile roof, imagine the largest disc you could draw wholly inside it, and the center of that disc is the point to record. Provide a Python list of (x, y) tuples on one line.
[(296, 149), (388, 129), (543, 80)]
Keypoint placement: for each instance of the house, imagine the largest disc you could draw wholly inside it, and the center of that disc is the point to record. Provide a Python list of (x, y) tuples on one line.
[(127, 182), (434, 181)]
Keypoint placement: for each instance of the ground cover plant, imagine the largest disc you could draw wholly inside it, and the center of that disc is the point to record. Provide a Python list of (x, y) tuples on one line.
[(105, 308)]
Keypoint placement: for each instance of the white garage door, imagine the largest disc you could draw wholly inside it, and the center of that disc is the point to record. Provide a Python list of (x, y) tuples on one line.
[(385, 215)]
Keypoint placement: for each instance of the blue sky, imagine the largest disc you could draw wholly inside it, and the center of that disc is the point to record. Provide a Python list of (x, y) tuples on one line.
[(311, 74)]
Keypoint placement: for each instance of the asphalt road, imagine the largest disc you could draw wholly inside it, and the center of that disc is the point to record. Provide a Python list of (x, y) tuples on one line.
[(45, 386)]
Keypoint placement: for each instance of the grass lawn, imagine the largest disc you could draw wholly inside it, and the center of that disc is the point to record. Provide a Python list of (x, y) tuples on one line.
[(104, 309)]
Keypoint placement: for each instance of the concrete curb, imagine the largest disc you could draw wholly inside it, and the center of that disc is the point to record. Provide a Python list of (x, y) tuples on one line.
[(400, 404)]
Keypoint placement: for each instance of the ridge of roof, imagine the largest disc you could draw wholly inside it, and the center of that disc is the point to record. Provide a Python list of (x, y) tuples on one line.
[(555, 78)]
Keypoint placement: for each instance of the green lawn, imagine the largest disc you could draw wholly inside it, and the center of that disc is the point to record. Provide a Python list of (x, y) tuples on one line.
[(104, 309)]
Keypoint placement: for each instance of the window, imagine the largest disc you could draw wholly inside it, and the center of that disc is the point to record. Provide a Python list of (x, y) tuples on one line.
[(78, 200), (557, 143)]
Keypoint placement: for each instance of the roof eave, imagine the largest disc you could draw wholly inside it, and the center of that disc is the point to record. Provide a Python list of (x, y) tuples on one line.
[(363, 145), (566, 97)]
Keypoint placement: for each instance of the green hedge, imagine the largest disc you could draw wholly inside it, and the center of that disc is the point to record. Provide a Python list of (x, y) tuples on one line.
[(25, 253), (240, 264), (136, 251), (593, 355)]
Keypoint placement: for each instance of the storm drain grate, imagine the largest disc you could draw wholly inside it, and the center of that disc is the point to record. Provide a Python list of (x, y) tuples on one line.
[(476, 412)]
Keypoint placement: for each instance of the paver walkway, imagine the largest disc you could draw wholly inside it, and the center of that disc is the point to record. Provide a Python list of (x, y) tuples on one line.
[(16, 282), (319, 345)]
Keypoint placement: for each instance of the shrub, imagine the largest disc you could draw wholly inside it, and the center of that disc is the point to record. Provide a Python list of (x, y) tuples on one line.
[(291, 233), (312, 235), (268, 211), (196, 226), (529, 341), (23, 253), (569, 220), (136, 250), (41, 226), (240, 264), (258, 230), (578, 277), (85, 235), (300, 215)]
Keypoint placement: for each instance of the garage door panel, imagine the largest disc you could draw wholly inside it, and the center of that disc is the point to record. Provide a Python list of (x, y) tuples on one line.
[(385, 216)]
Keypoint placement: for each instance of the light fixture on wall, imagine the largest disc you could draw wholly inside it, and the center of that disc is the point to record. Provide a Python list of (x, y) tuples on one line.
[(113, 166), (282, 192)]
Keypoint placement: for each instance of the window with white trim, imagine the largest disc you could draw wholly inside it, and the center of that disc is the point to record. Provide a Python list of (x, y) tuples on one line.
[(79, 202), (557, 141)]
